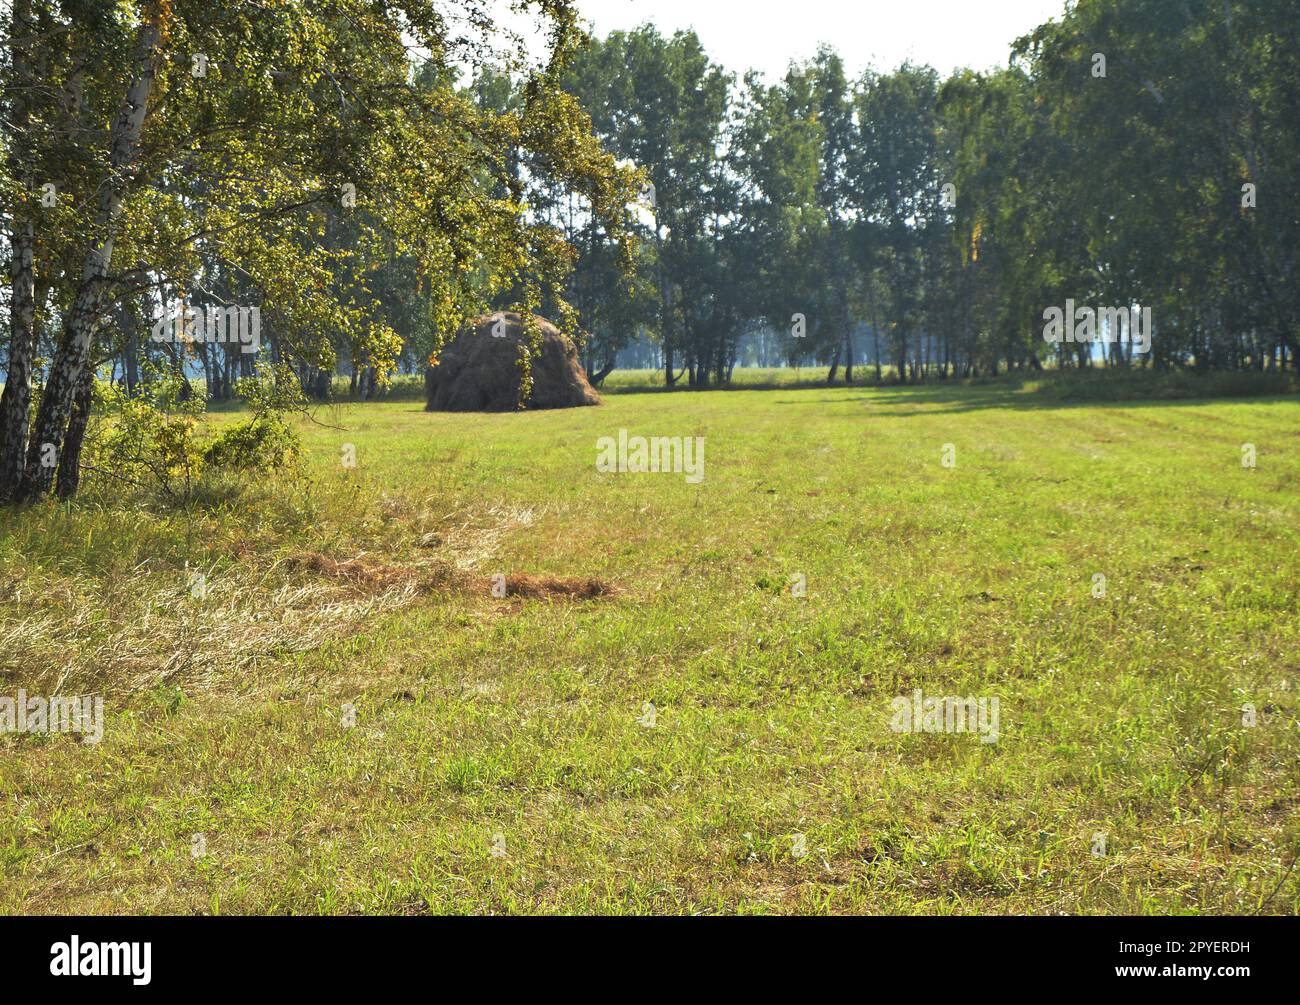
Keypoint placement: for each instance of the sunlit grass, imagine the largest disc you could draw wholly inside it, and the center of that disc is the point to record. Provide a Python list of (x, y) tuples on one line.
[(477, 716)]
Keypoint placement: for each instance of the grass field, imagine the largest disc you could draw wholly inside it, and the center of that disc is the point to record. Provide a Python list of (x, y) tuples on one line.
[(502, 757)]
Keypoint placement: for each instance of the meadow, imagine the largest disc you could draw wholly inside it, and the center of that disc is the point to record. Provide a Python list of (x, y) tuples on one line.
[(348, 719)]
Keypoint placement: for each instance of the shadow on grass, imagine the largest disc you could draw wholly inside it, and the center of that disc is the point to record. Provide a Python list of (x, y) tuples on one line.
[(1051, 392), (941, 401)]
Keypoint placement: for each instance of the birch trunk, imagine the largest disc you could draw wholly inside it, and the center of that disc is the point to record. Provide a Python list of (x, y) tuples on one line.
[(74, 352), (16, 402)]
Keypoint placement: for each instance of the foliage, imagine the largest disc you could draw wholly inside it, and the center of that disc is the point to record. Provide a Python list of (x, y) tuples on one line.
[(940, 218), (150, 440), (263, 443), (154, 439)]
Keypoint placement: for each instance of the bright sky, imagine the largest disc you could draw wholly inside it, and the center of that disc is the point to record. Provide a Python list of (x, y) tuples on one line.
[(766, 34)]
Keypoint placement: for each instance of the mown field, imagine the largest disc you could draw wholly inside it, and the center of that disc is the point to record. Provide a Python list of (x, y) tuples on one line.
[(502, 757)]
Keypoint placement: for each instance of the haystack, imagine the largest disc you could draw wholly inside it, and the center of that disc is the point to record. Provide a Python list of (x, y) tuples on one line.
[(479, 370)]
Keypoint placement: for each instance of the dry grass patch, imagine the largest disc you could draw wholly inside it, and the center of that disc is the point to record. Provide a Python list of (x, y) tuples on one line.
[(363, 572), (124, 643), (545, 587)]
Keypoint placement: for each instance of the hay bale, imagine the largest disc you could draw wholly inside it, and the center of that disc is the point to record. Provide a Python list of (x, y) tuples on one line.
[(478, 371)]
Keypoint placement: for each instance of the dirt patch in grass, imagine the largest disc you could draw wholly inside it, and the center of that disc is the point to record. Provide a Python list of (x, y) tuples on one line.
[(361, 571), (538, 587), (370, 576)]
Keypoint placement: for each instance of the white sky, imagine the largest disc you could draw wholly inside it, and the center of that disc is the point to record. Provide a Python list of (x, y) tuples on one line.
[(767, 34)]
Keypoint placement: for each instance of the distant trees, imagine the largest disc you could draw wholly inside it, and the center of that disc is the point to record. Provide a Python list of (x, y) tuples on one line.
[(1173, 162), (942, 217), (660, 104)]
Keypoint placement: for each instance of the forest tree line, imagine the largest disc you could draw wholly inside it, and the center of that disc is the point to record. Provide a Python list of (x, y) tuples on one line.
[(1133, 152), (368, 197)]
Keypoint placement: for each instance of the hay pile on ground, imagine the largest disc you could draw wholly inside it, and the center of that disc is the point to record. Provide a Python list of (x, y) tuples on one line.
[(479, 370)]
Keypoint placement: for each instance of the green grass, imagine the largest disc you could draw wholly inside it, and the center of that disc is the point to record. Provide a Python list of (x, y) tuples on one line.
[(478, 716)]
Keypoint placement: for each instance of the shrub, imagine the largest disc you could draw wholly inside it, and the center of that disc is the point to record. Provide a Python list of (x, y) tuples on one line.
[(152, 439), (140, 440), (263, 443)]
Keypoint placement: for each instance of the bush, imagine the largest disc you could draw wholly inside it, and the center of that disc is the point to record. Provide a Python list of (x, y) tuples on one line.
[(263, 443), (151, 439), (140, 440)]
